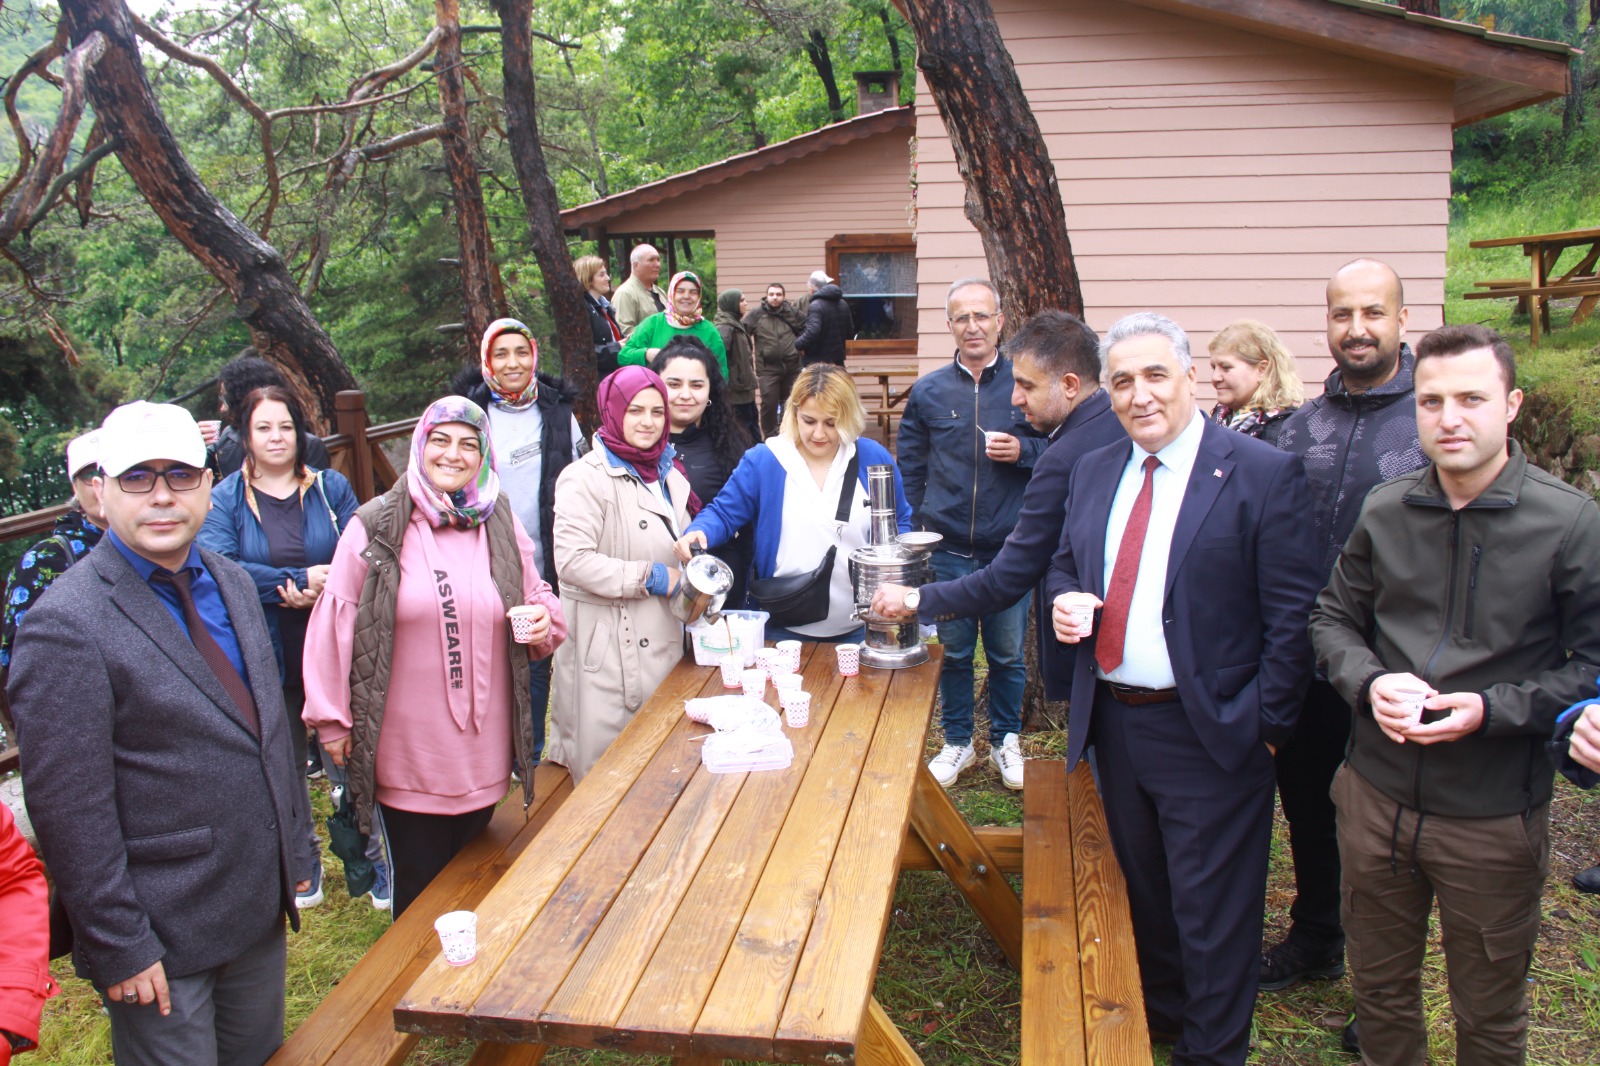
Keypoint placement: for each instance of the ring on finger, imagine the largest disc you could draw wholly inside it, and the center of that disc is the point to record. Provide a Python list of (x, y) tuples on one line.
[(130, 997)]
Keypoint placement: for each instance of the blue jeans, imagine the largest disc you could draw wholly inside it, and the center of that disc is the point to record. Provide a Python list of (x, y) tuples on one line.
[(1003, 634), (539, 689)]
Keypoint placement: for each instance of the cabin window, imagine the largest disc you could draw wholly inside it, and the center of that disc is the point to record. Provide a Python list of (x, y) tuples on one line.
[(878, 273)]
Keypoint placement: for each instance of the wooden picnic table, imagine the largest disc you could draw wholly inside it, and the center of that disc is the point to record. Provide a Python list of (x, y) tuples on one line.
[(667, 910), (1544, 250)]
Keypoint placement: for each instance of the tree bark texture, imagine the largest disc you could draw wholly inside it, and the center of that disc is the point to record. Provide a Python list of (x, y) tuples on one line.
[(266, 299), (1011, 192), (482, 296), (574, 340), (31, 196)]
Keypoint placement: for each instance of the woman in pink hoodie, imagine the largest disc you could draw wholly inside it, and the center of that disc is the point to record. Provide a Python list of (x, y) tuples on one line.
[(414, 677)]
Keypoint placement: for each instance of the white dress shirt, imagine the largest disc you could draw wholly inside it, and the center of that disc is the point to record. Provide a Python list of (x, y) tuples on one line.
[(1145, 663)]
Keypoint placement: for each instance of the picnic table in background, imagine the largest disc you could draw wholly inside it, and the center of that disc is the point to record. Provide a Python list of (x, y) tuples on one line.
[(667, 910), (1533, 296)]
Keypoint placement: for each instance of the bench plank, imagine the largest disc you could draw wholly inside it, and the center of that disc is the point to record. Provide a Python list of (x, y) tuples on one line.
[(1052, 987), (741, 1014), (1113, 1000), (823, 1010), (354, 1023), (450, 990), (675, 985)]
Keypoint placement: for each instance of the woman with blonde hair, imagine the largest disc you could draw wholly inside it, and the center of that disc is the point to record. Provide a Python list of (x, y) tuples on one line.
[(806, 491), (596, 282), (1255, 378)]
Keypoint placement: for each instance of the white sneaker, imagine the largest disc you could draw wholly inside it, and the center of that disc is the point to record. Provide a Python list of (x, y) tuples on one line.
[(948, 764), (1007, 758)]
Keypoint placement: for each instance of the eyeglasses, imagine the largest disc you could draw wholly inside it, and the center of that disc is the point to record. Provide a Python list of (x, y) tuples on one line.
[(977, 318), (139, 481)]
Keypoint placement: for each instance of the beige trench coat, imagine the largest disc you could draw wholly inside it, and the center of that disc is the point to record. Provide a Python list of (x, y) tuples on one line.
[(621, 641)]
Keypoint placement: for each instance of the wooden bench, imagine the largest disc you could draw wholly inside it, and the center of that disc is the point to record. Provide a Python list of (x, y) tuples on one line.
[(355, 1023), (1081, 997), (883, 382)]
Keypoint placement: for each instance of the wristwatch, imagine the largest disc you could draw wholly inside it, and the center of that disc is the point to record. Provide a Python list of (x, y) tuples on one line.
[(912, 599)]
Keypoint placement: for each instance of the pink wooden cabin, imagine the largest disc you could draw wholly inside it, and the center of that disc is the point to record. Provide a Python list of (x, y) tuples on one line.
[(1218, 159)]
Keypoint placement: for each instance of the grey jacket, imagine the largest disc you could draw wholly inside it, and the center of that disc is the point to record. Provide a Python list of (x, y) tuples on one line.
[(172, 832)]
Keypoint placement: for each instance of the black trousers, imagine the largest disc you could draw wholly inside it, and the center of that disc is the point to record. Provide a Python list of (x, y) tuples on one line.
[(1192, 839), (421, 845), (1305, 768)]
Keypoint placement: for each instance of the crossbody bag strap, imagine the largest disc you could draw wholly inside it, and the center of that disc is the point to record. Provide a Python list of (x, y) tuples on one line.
[(847, 490)]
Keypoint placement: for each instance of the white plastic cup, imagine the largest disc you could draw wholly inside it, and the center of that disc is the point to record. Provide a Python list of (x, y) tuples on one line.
[(754, 682), (783, 682), (1411, 699), (521, 618), (1081, 604), (849, 659), (797, 709), (767, 660), (458, 936), (785, 695), (732, 670), (790, 650)]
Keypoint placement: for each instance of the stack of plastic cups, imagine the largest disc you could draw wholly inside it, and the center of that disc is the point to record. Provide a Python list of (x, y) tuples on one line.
[(767, 660), (785, 683), (796, 707), (790, 651), (732, 667), (849, 659), (754, 682)]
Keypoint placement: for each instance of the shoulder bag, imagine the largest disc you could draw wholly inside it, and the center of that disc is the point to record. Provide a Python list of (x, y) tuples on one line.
[(802, 599)]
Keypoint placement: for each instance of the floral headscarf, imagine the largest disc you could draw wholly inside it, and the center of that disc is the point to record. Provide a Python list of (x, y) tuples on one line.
[(672, 312), (512, 401), (616, 393), (470, 505)]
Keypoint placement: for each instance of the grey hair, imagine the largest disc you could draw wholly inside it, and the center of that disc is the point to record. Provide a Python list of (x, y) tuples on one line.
[(1147, 324), (963, 283), (641, 251)]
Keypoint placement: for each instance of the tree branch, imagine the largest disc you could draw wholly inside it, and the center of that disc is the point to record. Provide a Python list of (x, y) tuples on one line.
[(36, 65), (37, 193), (84, 166)]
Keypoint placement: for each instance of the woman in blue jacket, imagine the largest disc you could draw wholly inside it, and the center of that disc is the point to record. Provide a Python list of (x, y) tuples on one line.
[(281, 520), (790, 487)]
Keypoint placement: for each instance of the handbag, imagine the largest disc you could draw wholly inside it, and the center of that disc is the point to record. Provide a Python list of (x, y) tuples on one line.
[(802, 599)]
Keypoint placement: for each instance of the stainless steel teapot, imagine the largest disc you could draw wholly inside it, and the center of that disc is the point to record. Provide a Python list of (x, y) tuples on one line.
[(702, 589)]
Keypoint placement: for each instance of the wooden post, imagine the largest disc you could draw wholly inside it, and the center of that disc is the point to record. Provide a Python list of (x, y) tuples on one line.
[(350, 418)]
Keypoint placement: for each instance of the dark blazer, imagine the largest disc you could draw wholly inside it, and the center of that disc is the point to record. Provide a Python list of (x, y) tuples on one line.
[(172, 833), (1024, 558), (1240, 584)]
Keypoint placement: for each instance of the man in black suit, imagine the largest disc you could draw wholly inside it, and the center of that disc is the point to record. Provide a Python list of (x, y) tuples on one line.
[(156, 755), (1056, 372), (1193, 544)]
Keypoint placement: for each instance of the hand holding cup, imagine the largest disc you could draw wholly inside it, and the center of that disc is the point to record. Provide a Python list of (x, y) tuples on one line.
[(530, 623), (1397, 703), (1001, 447), (1072, 616)]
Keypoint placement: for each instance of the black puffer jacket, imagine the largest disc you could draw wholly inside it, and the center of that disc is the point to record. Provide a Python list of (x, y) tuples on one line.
[(607, 335), (555, 406), (828, 325), (1351, 442)]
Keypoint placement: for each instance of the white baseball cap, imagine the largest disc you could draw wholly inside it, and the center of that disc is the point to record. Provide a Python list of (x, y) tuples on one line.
[(82, 451), (820, 277), (140, 431)]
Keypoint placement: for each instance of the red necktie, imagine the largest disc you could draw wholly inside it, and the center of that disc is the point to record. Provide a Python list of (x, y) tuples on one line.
[(210, 650), (1124, 575)]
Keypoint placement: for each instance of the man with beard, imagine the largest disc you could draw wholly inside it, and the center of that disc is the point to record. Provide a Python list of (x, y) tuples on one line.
[(1361, 431), (773, 326)]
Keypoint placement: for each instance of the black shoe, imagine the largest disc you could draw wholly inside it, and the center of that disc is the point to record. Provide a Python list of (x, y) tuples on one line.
[(1351, 1040), (1287, 964), (1587, 880)]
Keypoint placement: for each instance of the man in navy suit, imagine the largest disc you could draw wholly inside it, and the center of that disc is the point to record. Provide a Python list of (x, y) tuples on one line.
[(1056, 372), (1193, 544)]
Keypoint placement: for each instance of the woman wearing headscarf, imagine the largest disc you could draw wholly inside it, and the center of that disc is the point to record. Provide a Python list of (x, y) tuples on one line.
[(535, 436), (741, 393), (419, 686), (618, 511), (682, 316)]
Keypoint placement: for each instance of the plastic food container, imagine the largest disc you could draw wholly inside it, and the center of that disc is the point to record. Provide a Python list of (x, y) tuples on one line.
[(736, 633)]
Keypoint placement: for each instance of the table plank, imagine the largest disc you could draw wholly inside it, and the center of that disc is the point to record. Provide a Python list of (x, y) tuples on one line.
[(1052, 988), (439, 1000), (668, 998), (741, 1014), (510, 1007), (1113, 1001), (1577, 236), (833, 983)]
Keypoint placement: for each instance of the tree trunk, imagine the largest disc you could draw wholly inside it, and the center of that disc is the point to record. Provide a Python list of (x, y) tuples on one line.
[(1572, 111), (482, 296), (1011, 192), (266, 298), (893, 39), (574, 339), (1012, 195), (817, 52)]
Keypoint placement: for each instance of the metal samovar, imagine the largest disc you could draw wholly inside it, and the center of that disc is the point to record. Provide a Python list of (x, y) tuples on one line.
[(889, 557)]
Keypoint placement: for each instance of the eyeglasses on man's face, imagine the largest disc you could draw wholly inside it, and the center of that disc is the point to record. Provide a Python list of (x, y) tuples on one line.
[(141, 480), (977, 318)]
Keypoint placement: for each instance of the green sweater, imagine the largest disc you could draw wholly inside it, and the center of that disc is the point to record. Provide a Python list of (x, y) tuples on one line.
[(655, 332)]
